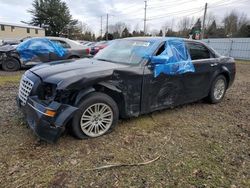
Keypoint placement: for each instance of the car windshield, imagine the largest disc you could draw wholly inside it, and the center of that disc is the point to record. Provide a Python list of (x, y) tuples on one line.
[(124, 51)]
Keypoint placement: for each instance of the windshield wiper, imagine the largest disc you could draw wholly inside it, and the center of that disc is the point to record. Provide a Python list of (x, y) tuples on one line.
[(107, 60), (104, 60)]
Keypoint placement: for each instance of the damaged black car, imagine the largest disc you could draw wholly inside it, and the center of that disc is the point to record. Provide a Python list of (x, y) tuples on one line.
[(128, 78)]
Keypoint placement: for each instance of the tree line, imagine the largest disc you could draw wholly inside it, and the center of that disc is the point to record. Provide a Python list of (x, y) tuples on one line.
[(55, 17)]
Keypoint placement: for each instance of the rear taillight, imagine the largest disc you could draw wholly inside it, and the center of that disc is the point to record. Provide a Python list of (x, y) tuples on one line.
[(87, 51)]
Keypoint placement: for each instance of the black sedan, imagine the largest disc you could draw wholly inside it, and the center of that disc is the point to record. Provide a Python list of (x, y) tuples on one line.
[(128, 78)]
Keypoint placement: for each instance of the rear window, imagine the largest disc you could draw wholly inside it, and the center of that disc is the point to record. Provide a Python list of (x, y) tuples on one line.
[(198, 51), (61, 43)]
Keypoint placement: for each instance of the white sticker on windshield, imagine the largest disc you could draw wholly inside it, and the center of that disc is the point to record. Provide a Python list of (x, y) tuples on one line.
[(139, 43)]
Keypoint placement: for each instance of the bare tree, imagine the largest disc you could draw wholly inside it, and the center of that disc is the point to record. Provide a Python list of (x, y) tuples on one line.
[(210, 19), (231, 23), (118, 27), (137, 27), (155, 32), (185, 25), (83, 27), (242, 20)]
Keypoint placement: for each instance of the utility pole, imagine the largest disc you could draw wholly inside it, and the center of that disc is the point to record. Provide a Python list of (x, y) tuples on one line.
[(107, 27), (101, 26), (145, 17), (203, 24)]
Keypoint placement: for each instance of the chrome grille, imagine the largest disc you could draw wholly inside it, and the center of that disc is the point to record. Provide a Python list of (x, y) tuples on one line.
[(25, 89)]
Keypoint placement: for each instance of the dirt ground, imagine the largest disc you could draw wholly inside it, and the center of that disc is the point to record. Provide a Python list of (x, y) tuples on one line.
[(199, 145)]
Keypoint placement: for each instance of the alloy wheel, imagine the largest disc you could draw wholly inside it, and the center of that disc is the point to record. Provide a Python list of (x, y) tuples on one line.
[(96, 119)]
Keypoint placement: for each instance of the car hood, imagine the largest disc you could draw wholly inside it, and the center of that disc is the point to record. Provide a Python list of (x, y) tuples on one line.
[(7, 48), (69, 72)]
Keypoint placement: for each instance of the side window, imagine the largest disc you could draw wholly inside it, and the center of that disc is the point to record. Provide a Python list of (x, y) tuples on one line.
[(61, 43), (198, 51), (160, 50)]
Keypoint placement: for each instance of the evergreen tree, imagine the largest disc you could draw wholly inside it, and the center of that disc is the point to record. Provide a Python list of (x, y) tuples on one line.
[(212, 29), (54, 14), (125, 33)]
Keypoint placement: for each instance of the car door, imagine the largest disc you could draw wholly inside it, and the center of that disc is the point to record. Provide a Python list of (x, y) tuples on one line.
[(197, 84), (63, 44), (37, 51), (159, 92)]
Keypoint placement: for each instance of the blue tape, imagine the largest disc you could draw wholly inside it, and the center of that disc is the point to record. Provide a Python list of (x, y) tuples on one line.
[(177, 59)]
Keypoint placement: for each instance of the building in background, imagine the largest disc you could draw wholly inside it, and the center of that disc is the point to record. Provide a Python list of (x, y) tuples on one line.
[(11, 31)]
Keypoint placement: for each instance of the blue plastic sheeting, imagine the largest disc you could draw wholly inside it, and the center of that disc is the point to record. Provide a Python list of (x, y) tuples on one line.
[(35, 47), (175, 59)]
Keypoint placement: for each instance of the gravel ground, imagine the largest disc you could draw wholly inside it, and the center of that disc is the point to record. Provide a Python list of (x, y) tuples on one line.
[(200, 145)]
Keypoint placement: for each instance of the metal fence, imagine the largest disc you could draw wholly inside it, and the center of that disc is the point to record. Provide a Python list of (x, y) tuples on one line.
[(238, 48)]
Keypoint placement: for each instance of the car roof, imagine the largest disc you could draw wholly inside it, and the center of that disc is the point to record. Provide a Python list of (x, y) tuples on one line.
[(158, 39)]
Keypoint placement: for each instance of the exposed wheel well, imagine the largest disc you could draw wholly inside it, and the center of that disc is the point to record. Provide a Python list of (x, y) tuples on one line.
[(226, 76), (73, 56), (116, 96)]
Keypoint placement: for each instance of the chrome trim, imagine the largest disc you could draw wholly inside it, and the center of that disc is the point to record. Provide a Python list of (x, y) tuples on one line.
[(37, 109), (25, 88)]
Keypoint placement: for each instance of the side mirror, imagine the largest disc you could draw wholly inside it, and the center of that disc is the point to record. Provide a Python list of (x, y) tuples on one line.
[(160, 59)]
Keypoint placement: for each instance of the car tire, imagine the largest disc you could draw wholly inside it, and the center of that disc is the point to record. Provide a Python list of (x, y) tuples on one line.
[(97, 115), (217, 90), (11, 64)]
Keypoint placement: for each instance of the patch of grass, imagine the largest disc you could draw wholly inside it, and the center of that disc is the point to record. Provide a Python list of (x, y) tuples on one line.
[(9, 79), (242, 61)]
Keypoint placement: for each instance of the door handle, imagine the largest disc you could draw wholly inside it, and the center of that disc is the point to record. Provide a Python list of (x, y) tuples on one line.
[(213, 64)]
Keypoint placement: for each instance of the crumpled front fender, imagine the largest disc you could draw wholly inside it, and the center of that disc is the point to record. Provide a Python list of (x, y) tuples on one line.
[(48, 128)]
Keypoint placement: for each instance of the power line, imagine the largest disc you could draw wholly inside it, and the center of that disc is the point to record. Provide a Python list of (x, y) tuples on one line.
[(172, 5), (226, 3), (184, 15), (174, 13), (168, 3)]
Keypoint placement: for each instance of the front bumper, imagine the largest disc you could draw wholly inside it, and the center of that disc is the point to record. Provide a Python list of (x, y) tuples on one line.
[(46, 127)]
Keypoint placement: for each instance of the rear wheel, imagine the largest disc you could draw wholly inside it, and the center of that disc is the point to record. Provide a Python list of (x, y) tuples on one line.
[(98, 114), (218, 89), (11, 64)]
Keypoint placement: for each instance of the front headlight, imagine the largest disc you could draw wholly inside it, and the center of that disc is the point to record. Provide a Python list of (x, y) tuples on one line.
[(2, 56), (49, 91)]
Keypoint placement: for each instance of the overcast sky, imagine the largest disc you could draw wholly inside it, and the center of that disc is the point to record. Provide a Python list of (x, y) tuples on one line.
[(159, 12)]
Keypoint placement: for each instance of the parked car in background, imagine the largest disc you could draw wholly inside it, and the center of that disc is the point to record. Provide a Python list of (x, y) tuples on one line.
[(83, 42), (90, 44), (128, 78), (98, 46), (40, 50)]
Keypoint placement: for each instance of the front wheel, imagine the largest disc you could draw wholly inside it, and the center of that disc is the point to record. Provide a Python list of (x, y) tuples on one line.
[(98, 114), (218, 89), (11, 64)]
